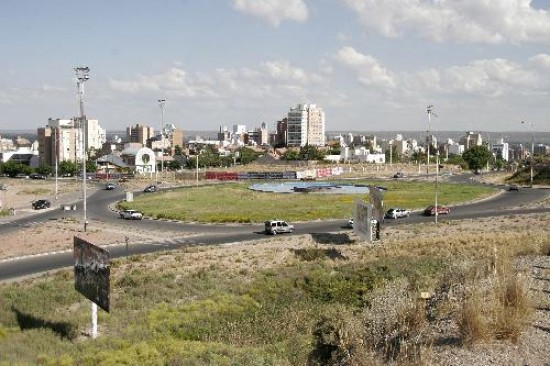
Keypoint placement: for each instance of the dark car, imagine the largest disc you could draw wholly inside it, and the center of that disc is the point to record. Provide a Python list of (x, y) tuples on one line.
[(41, 204), (440, 210), (37, 176), (151, 188), (512, 187)]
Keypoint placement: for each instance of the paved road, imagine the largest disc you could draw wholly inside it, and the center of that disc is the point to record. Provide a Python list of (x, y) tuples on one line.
[(505, 203)]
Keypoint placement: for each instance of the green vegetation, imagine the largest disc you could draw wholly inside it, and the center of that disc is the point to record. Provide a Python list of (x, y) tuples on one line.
[(315, 305), (234, 202)]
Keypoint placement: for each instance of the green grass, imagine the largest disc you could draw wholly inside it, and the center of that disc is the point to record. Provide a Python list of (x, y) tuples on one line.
[(234, 202), (209, 316)]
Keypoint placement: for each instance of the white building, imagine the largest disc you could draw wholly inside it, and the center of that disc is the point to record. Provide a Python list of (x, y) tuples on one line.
[(306, 126), (455, 149), (361, 155), (501, 149), (140, 159)]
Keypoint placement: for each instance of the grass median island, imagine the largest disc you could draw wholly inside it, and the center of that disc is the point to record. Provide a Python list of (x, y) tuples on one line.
[(235, 202)]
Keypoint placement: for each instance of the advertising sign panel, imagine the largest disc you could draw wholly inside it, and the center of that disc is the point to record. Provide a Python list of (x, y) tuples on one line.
[(92, 272), (362, 218)]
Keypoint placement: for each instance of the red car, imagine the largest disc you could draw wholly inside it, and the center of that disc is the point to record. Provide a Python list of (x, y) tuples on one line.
[(441, 210)]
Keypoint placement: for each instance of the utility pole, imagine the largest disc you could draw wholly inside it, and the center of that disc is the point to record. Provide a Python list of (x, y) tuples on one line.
[(429, 139), (162, 133), (430, 113), (532, 152), (82, 77)]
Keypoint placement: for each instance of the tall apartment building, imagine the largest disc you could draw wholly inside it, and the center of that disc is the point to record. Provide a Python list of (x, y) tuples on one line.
[(281, 134), (470, 140), (306, 126), (63, 138), (139, 133)]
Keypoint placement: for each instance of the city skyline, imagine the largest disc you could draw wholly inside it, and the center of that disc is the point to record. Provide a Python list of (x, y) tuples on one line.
[(371, 66)]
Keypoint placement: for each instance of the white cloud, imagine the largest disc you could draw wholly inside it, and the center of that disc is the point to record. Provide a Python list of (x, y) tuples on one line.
[(469, 21), (368, 70), (271, 79), (487, 78), (274, 11), (541, 60)]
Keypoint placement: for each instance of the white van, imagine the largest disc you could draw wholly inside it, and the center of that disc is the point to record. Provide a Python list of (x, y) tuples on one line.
[(277, 227)]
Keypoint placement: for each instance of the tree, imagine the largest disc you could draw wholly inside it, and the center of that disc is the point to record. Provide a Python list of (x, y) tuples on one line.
[(91, 166), (44, 170), (11, 169), (68, 168), (247, 155), (174, 165), (290, 155), (477, 157)]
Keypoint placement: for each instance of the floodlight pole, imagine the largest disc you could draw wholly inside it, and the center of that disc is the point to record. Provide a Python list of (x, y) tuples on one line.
[(162, 133), (532, 152), (391, 153), (428, 141), (430, 112), (82, 77), (56, 160)]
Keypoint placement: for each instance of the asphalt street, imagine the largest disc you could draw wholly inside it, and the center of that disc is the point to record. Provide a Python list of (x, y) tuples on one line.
[(98, 211)]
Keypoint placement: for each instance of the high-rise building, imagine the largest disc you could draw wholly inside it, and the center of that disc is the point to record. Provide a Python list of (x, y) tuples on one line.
[(139, 133), (281, 134), (470, 140), (306, 126), (63, 138)]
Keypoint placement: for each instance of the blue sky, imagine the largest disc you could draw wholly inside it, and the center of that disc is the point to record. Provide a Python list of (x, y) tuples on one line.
[(372, 65)]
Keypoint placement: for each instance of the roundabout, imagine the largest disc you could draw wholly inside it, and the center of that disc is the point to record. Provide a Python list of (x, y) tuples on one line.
[(310, 187)]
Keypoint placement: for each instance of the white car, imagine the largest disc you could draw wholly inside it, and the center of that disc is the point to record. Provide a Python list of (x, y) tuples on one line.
[(396, 213), (131, 215), (350, 222), (277, 227)]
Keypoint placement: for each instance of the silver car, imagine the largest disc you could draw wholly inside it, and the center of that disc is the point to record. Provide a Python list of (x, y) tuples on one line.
[(396, 213), (277, 227), (131, 215)]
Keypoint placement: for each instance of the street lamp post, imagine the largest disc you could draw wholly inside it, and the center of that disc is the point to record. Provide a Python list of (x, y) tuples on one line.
[(56, 160), (162, 102), (430, 113), (82, 77), (391, 153), (429, 141), (532, 151)]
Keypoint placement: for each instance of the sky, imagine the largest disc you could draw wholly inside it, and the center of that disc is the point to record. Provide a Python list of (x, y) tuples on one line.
[(371, 65)]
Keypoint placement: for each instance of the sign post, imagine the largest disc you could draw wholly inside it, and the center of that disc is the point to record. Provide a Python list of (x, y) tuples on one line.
[(92, 276)]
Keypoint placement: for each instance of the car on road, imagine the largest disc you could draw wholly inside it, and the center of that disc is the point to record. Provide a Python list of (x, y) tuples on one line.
[(432, 209), (399, 175), (151, 188), (512, 187), (131, 215), (37, 176), (396, 213), (350, 223), (41, 204), (109, 186), (277, 227)]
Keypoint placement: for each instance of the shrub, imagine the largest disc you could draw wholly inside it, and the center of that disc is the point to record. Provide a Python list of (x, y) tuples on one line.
[(472, 323)]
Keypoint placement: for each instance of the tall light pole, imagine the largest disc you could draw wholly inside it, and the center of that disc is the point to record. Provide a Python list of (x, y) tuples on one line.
[(82, 77), (430, 113), (56, 160), (391, 153), (162, 102), (532, 151), (429, 140)]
